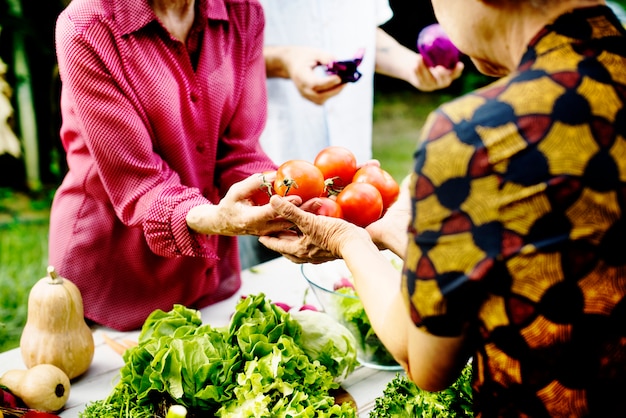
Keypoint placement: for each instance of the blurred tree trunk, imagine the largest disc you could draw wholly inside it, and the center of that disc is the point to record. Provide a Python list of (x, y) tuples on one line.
[(26, 115), (9, 143)]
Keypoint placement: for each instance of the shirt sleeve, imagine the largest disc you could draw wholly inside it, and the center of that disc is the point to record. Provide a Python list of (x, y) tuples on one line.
[(384, 13), (453, 208)]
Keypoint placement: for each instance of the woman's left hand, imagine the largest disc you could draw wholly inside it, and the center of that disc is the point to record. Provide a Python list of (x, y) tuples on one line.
[(436, 78)]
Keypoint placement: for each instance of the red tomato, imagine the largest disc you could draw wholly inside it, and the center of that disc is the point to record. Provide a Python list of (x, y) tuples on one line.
[(361, 203), (382, 180), (299, 178), (338, 165), (265, 191), (329, 207)]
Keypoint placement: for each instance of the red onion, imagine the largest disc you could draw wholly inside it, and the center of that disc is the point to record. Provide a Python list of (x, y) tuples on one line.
[(436, 48)]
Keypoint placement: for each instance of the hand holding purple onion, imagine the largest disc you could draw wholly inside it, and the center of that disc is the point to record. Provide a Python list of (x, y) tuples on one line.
[(436, 48)]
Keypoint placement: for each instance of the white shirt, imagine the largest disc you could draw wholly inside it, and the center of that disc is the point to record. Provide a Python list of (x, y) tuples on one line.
[(297, 128)]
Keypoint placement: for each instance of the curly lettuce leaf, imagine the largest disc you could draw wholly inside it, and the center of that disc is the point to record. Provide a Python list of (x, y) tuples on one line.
[(254, 367), (404, 399)]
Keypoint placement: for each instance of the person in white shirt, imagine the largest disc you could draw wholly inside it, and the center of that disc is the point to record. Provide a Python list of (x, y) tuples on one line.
[(301, 35)]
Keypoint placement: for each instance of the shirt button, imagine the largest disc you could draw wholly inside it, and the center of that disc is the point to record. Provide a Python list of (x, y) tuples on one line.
[(193, 97), (200, 147)]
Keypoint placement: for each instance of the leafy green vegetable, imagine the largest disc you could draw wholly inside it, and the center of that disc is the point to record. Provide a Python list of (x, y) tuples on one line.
[(327, 341), (403, 399), (254, 367), (352, 314)]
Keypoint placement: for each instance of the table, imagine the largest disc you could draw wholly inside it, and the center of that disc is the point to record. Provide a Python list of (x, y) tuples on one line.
[(278, 279)]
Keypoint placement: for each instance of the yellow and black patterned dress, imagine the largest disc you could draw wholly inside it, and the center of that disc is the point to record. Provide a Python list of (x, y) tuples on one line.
[(519, 226)]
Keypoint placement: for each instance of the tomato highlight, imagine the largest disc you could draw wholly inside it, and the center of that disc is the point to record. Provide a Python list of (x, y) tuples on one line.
[(299, 178)]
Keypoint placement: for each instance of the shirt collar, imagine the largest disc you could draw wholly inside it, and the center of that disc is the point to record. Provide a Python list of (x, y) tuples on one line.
[(134, 15), (575, 27), (580, 25)]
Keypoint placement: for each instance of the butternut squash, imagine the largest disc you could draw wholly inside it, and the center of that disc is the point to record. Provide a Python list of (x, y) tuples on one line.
[(43, 387), (56, 332)]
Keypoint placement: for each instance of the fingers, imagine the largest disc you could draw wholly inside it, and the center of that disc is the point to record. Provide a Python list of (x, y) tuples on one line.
[(330, 84), (319, 90), (247, 187), (281, 244), (286, 209), (435, 78), (370, 162), (311, 205)]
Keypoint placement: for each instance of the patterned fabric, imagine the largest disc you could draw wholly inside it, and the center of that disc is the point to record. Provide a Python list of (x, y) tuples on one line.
[(152, 128), (519, 230)]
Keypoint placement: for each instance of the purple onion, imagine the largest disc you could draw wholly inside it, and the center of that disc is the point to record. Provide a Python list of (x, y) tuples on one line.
[(436, 48)]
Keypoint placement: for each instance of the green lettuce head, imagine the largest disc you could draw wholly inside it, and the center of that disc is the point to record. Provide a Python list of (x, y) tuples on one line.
[(327, 341)]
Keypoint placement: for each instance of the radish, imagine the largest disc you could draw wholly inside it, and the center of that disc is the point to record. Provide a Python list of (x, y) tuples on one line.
[(285, 307), (343, 282)]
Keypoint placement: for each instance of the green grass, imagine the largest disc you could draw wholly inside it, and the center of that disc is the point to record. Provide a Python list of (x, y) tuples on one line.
[(23, 255), (398, 118)]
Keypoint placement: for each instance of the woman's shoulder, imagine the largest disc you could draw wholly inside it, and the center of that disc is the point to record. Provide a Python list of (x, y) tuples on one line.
[(82, 14)]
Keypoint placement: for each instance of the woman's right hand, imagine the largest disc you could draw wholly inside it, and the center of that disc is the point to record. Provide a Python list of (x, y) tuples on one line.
[(237, 214), (299, 63)]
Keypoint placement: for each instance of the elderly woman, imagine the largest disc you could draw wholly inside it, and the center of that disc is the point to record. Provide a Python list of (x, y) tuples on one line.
[(163, 103), (515, 254)]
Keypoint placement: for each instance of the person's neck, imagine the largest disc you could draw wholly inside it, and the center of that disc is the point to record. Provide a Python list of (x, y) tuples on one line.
[(521, 31), (176, 15)]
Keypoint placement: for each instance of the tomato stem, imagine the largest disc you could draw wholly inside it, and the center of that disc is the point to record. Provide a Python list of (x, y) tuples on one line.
[(289, 183)]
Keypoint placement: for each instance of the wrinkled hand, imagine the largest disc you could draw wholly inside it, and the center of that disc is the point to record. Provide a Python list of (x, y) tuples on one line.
[(315, 238), (431, 79), (301, 64), (236, 213)]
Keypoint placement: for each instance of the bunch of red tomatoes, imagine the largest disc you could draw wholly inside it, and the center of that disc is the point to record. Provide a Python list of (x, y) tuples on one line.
[(360, 195)]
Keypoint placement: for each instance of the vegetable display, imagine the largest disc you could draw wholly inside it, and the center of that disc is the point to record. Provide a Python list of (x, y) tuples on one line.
[(332, 177), (256, 366), (436, 48), (401, 398)]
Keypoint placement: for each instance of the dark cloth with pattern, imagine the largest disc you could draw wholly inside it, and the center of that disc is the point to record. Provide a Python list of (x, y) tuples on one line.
[(518, 229)]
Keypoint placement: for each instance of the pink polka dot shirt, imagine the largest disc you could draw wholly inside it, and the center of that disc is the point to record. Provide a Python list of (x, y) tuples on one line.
[(153, 127)]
